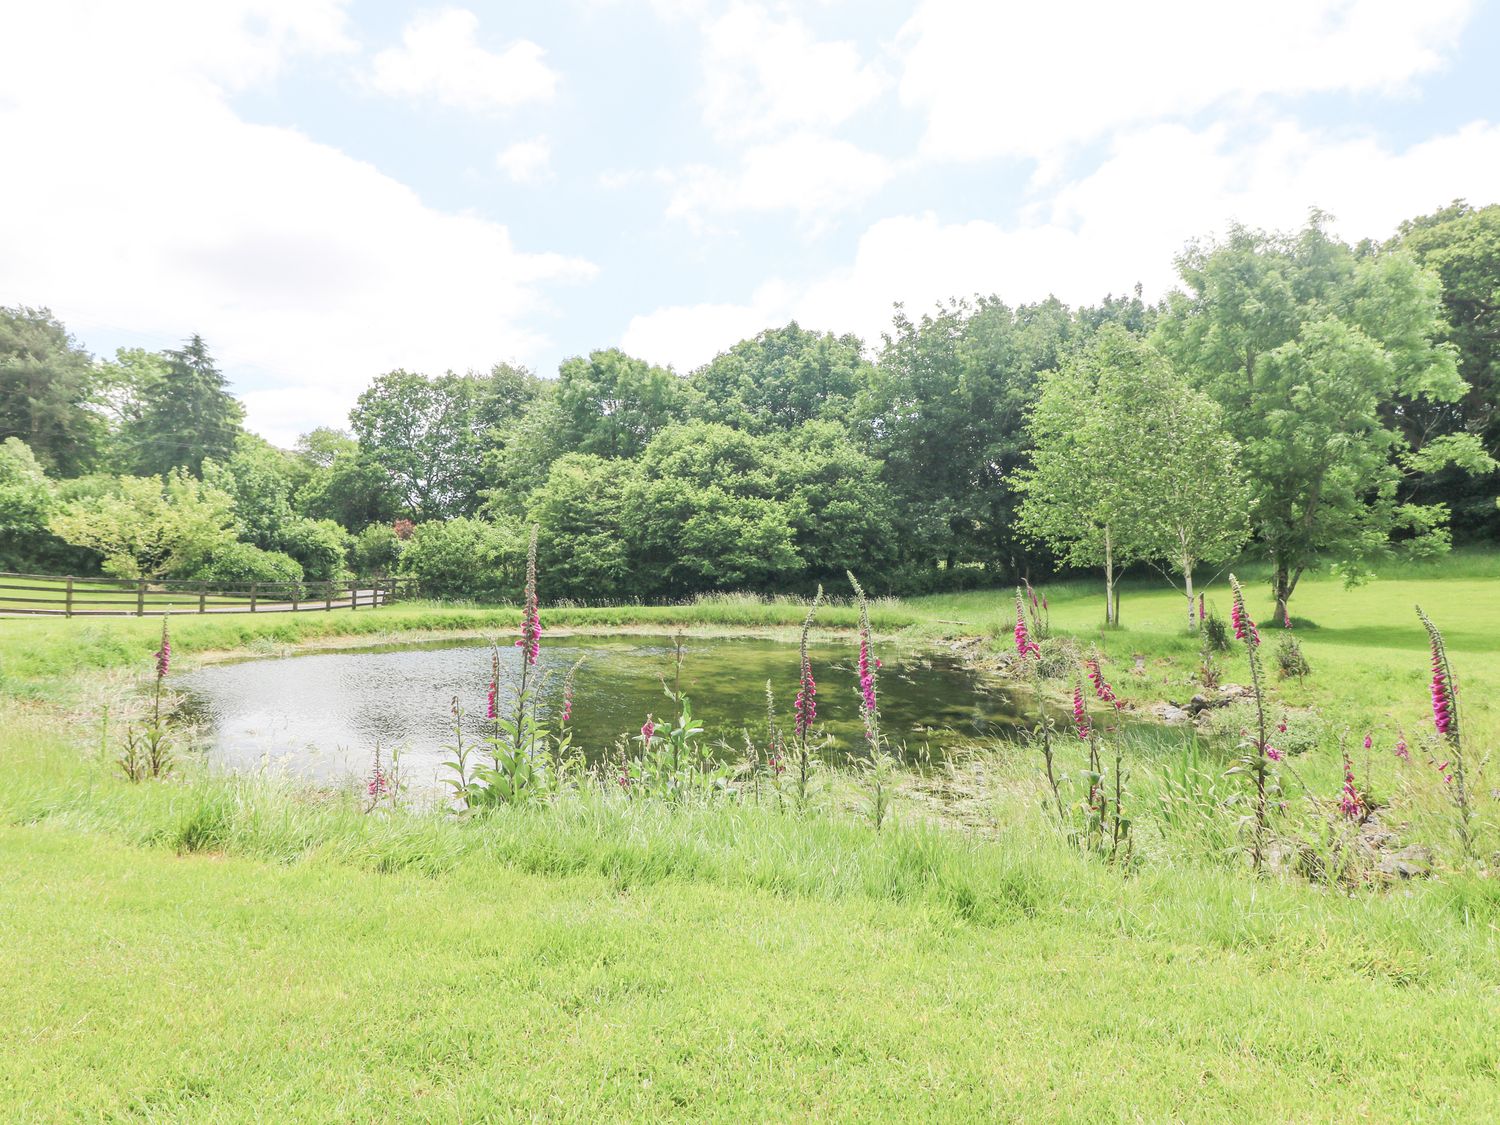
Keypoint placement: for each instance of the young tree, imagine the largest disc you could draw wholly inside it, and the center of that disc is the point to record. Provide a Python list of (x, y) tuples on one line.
[(48, 388), (1305, 342), (184, 416), (1087, 488), (1195, 499)]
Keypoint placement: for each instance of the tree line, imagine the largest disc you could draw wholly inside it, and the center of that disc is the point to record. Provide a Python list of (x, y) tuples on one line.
[(1326, 404)]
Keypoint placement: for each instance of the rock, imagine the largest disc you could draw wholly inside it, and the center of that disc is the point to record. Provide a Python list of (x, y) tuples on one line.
[(1411, 862), (1170, 714), (1200, 703)]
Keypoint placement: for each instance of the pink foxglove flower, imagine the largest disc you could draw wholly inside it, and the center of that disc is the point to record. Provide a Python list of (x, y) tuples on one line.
[(1080, 712), (164, 654), (1351, 804), (1101, 686), (1025, 646), (530, 640), (648, 730)]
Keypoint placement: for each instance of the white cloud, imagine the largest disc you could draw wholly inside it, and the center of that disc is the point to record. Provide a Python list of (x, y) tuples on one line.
[(688, 336), (527, 162), (157, 210), (808, 174), (440, 57), (1032, 79), (1120, 225), (763, 75)]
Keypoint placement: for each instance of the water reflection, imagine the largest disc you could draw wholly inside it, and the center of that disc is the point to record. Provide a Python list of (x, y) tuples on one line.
[(322, 714)]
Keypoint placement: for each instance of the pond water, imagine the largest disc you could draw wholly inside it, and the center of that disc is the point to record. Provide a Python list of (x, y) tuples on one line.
[(321, 714)]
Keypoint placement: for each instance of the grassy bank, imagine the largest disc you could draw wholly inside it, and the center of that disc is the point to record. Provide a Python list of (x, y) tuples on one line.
[(227, 951), (241, 949)]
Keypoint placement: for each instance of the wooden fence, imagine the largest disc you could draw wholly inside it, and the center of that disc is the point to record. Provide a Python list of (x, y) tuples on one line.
[(69, 596)]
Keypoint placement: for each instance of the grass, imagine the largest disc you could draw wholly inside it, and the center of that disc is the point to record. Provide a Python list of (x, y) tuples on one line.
[(239, 949)]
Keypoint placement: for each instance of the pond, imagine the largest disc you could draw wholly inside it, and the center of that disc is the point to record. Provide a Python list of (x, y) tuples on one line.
[(321, 714)]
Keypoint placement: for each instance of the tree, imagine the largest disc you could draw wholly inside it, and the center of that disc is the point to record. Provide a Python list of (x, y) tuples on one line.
[(1087, 487), (1462, 244), (427, 436), (185, 415), (26, 502), (341, 482), (149, 526), (703, 513), (611, 404), (48, 388), (783, 378), (947, 413), (1194, 497), (466, 558), (582, 540), (1305, 342)]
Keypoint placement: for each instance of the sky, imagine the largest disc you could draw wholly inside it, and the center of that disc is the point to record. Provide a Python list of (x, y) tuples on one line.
[(329, 189)]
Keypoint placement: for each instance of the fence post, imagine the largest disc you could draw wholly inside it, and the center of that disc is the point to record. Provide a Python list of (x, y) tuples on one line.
[(140, 598), (203, 596), (354, 595), (296, 593), (68, 605), (254, 590), (328, 596)]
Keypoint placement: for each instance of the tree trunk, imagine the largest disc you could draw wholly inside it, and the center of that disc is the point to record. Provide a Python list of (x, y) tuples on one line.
[(1281, 586), (1109, 579), (1187, 577)]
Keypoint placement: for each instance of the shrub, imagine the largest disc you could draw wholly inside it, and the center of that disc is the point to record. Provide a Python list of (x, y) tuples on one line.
[(1215, 634), (466, 558), (1289, 658), (320, 546), (376, 550), (235, 564)]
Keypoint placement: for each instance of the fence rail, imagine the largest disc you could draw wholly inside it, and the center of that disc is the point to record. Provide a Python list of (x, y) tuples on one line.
[(73, 596)]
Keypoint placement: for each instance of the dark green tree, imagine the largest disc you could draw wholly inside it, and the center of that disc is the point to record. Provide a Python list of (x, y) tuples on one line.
[(1462, 244), (184, 416), (947, 417), (783, 378), (48, 392)]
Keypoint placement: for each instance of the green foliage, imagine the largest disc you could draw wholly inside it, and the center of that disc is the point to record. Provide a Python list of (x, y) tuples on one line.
[(783, 378), (320, 547), (376, 550), (1462, 245), (425, 434), (946, 417), (184, 415), (26, 503), (235, 564), (341, 482), (468, 559), (611, 404), (149, 527), (1289, 658), (47, 388), (583, 543), (1305, 342)]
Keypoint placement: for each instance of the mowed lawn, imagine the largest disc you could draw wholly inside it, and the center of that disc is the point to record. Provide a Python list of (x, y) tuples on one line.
[(144, 985)]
